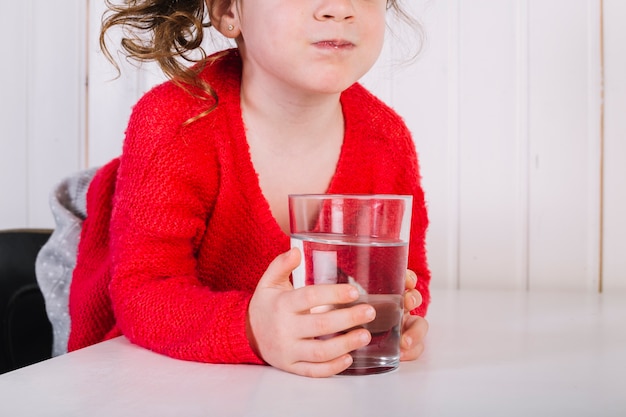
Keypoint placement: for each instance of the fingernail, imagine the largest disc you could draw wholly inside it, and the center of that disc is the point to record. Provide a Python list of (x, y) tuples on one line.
[(414, 300), (348, 360), (370, 313)]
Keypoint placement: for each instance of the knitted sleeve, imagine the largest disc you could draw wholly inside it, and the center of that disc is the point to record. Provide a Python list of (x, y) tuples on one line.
[(166, 185)]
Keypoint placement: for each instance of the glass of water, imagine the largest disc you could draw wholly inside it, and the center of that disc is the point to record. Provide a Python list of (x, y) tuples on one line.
[(360, 240)]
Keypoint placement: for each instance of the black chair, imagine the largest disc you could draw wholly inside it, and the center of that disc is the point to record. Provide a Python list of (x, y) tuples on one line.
[(25, 332)]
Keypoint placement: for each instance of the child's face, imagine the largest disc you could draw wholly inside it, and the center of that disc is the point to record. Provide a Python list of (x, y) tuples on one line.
[(311, 46)]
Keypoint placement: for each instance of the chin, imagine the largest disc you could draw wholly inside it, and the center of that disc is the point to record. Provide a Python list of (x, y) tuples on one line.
[(334, 84)]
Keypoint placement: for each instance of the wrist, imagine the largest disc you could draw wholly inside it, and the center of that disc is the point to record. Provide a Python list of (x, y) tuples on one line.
[(251, 338)]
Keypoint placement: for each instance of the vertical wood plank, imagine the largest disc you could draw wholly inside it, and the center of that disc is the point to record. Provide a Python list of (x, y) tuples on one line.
[(453, 144), (522, 145), (55, 98), (424, 93), (615, 146), (13, 144), (594, 145), (488, 153), (563, 177)]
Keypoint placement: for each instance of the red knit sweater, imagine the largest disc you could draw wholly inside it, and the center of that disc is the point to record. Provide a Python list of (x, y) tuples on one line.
[(178, 231)]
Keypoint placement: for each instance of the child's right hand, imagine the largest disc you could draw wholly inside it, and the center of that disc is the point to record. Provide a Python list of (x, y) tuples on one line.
[(283, 332)]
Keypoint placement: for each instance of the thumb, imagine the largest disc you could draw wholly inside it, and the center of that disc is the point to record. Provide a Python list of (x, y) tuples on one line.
[(278, 272)]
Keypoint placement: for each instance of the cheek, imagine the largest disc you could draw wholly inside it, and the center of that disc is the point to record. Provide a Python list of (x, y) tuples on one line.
[(376, 40), (375, 32)]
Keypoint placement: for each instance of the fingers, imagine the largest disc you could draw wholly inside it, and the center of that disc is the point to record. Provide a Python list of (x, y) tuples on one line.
[(412, 297), (414, 331), (322, 370), (412, 300), (278, 272), (305, 298), (282, 329), (334, 320), (322, 358), (286, 327), (327, 349), (410, 280)]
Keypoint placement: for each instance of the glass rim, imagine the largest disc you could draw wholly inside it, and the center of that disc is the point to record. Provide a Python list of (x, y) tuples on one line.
[(355, 196)]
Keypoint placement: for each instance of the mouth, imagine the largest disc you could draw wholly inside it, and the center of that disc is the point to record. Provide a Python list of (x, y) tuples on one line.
[(335, 44)]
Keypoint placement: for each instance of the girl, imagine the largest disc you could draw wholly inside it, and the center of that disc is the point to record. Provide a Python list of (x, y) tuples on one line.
[(185, 246)]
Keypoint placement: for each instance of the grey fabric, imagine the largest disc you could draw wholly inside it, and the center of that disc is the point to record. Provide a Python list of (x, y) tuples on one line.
[(57, 258)]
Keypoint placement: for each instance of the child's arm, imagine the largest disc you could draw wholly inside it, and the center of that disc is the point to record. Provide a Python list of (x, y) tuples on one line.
[(166, 186)]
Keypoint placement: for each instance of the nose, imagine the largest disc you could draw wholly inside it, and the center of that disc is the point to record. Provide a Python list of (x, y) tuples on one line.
[(337, 10)]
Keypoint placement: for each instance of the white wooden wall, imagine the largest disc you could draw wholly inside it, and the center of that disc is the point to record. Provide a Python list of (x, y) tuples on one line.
[(523, 161), (42, 97)]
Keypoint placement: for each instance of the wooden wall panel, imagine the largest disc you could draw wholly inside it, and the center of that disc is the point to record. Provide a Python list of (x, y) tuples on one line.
[(504, 103), (564, 176), (614, 248), (13, 122), (424, 92), (487, 144), (56, 101), (42, 111)]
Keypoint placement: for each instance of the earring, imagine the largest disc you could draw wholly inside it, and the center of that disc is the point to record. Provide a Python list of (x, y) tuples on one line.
[(231, 27)]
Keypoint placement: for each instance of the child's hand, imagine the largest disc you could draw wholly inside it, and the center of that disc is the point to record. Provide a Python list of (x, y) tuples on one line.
[(282, 330), (414, 328)]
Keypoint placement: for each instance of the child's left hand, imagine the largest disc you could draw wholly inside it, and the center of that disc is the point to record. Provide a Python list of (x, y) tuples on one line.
[(414, 328)]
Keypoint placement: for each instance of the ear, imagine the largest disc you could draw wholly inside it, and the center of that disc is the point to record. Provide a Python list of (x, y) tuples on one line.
[(224, 17)]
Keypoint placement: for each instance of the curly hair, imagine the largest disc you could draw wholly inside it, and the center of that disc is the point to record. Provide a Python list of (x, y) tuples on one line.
[(170, 32), (164, 31)]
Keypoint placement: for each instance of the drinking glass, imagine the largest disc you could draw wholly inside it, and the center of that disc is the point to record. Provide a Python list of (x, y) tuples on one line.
[(360, 240)]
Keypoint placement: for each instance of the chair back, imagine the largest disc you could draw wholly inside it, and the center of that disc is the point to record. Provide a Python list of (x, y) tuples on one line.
[(25, 331)]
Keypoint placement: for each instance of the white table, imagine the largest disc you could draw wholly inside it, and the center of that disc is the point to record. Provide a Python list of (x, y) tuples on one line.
[(489, 353)]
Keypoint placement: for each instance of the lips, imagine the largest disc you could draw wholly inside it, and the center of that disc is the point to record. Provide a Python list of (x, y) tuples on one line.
[(335, 44)]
